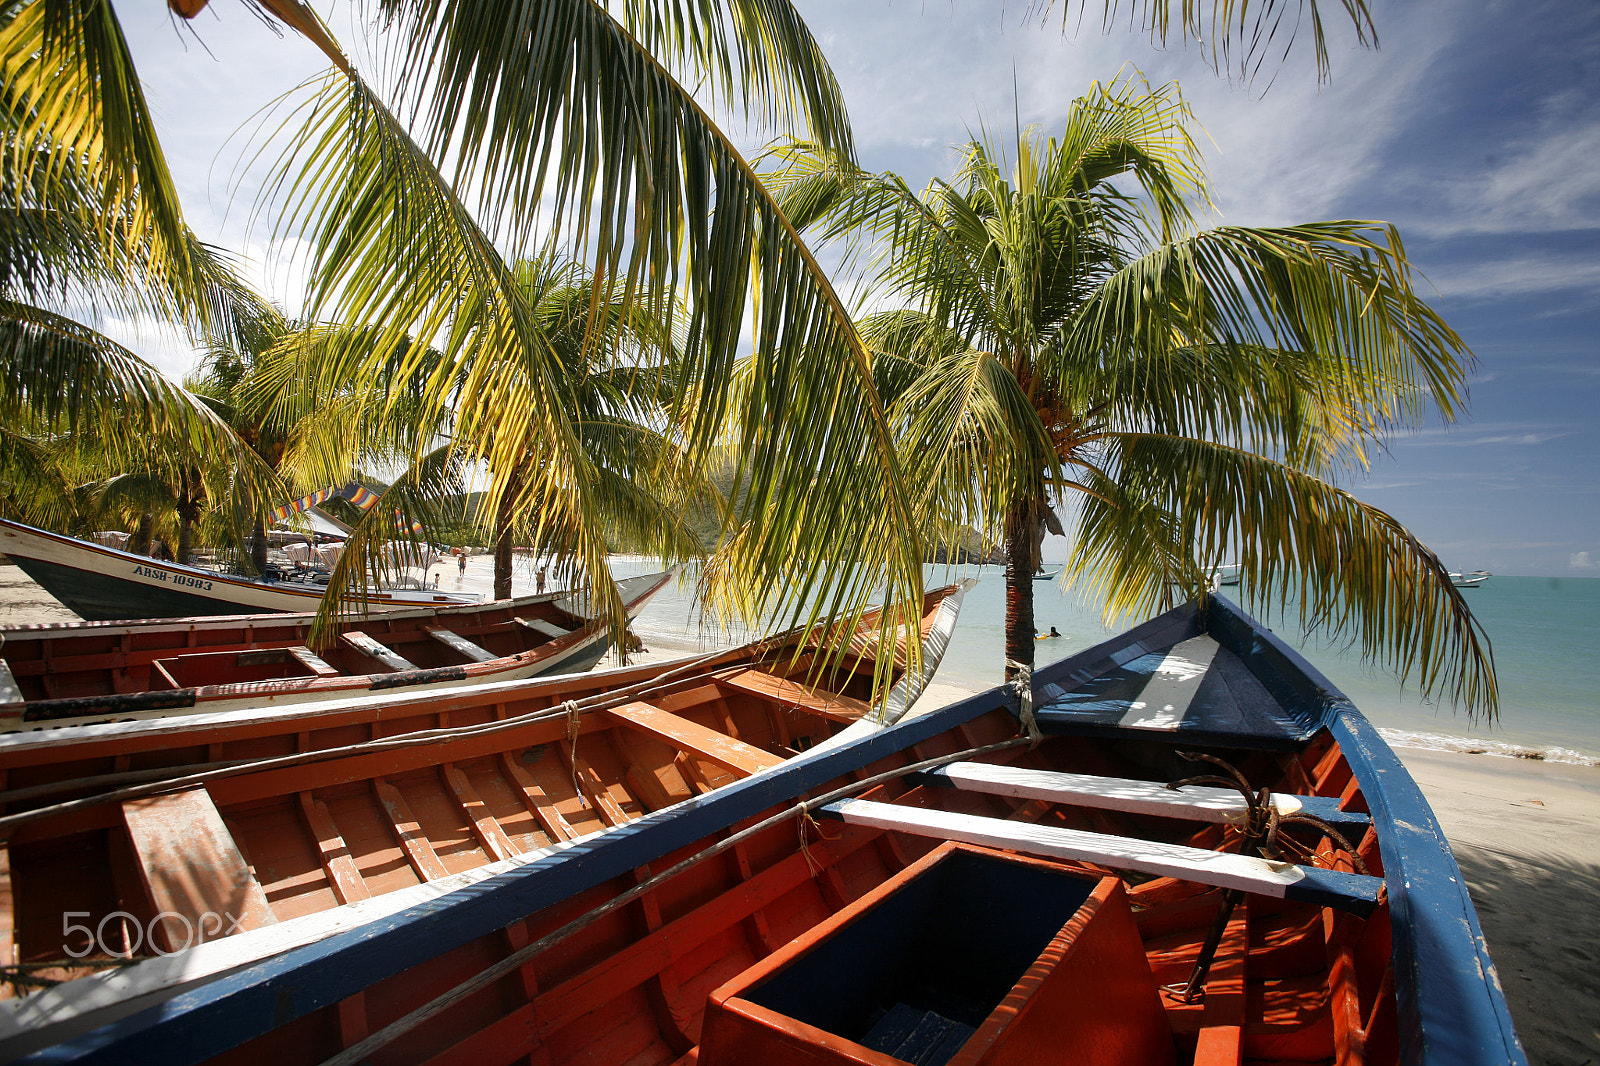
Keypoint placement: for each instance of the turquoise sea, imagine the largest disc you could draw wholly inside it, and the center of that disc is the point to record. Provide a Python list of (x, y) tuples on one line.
[(1545, 634)]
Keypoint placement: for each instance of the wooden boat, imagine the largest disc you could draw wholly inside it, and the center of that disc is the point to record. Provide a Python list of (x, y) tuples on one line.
[(1226, 574), (75, 673), (287, 825), (944, 891), (102, 583), (1469, 581)]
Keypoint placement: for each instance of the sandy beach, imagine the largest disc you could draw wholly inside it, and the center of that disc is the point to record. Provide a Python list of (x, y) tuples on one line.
[(1526, 835)]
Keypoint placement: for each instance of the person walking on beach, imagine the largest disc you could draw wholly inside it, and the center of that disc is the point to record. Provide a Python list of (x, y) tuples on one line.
[(540, 578), (461, 563)]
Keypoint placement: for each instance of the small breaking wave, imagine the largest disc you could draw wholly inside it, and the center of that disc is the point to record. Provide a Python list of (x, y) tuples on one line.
[(1408, 738)]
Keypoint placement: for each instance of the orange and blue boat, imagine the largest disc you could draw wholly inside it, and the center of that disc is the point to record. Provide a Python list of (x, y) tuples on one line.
[(1181, 846)]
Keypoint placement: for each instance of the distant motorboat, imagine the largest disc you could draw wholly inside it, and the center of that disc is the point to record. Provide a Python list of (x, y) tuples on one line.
[(1042, 576), (1471, 580), (1226, 574)]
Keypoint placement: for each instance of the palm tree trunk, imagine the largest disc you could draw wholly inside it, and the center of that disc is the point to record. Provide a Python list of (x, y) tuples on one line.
[(1021, 561), (186, 519), (258, 545), (502, 563), (139, 543), (188, 515), (503, 515)]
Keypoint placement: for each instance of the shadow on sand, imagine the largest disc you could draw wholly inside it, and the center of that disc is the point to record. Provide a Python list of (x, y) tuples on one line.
[(1541, 916)]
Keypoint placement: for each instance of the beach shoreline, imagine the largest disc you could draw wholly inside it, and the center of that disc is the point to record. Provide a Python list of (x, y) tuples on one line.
[(1525, 833)]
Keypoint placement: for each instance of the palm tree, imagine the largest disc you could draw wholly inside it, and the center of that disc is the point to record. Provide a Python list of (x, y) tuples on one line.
[(557, 118), (293, 392), (1068, 328), (89, 222), (616, 358)]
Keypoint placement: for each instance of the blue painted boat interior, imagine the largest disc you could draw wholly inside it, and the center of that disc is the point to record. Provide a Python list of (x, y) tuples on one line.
[(915, 975)]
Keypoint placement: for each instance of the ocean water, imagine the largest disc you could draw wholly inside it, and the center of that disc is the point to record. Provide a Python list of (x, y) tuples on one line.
[(1545, 634)]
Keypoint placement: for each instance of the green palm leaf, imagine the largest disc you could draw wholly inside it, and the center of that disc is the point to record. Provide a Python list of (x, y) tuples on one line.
[(1351, 567), (1060, 307), (1231, 31)]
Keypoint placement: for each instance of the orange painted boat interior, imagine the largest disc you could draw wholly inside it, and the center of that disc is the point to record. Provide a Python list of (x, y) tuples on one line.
[(1291, 983), (105, 661), (299, 839)]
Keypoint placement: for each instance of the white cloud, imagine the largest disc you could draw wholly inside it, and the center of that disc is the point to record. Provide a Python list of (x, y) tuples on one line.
[(1512, 433), (154, 341), (1581, 561), (1518, 276), (1515, 438), (1544, 182)]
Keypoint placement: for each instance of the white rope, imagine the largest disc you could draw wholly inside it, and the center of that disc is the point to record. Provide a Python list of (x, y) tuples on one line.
[(1022, 684), (573, 725)]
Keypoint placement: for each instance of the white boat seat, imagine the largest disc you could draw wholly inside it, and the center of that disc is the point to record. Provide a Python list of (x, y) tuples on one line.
[(1195, 803), (456, 642), (1281, 880), (312, 661), (539, 625), (369, 647)]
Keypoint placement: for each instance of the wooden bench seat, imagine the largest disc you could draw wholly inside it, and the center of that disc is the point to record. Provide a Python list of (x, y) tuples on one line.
[(1196, 803), (457, 643), (197, 880), (793, 693), (10, 692), (312, 661), (369, 647), (544, 628), (1281, 880), (681, 733)]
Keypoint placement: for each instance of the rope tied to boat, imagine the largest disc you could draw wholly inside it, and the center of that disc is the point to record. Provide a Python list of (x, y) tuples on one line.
[(802, 821), (1022, 684), (573, 725), (363, 1048)]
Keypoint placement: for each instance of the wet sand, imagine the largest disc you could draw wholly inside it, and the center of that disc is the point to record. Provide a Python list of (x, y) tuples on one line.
[(1526, 835)]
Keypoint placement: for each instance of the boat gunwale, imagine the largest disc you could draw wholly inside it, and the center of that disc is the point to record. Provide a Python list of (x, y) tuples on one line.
[(405, 597), (543, 658), (149, 733), (127, 988), (1433, 923)]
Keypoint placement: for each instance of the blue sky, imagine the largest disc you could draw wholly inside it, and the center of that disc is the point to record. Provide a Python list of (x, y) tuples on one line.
[(1475, 127)]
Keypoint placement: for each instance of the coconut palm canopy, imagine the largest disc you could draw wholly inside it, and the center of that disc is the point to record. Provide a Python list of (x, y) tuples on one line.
[(89, 222), (525, 119), (1065, 327)]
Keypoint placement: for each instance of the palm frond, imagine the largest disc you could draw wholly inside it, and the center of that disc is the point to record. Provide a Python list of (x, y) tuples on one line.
[(556, 102), (371, 199), (1353, 569), (61, 373), (1330, 303), (1231, 31), (88, 181), (32, 486)]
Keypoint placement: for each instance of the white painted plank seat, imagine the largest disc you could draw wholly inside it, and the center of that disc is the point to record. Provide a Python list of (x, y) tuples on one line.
[(544, 628), (1281, 880), (461, 645), (366, 645), (1195, 803), (312, 661)]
